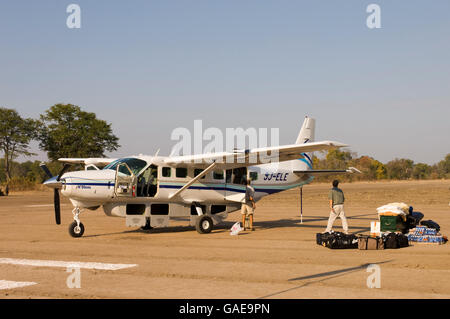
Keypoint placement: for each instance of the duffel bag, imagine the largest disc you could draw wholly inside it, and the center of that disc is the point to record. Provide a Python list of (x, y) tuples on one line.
[(395, 240), (430, 224), (370, 243), (402, 240), (340, 240), (322, 237), (390, 241)]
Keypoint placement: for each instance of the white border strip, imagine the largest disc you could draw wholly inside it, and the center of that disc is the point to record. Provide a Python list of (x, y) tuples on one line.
[(5, 284), (65, 264)]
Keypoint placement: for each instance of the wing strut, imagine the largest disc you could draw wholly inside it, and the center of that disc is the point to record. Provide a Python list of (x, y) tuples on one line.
[(192, 181)]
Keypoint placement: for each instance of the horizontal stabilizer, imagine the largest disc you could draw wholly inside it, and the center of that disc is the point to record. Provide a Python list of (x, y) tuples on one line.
[(322, 172)]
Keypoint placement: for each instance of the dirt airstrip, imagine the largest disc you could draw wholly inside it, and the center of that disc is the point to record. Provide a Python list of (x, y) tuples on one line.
[(278, 260)]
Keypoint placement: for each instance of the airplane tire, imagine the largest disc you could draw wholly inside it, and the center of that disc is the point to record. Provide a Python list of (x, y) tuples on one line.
[(204, 224), (76, 231)]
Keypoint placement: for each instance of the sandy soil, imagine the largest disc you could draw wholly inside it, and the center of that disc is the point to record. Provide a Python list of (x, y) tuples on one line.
[(278, 260)]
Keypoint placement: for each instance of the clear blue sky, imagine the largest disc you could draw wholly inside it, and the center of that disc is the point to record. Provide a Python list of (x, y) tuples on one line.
[(148, 67)]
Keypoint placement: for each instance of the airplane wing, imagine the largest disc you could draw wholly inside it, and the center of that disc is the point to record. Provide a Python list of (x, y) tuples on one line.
[(87, 161), (251, 157)]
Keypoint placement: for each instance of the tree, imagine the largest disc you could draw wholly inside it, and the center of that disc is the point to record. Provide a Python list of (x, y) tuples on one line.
[(421, 171), (67, 131), (399, 168), (442, 169), (15, 135)]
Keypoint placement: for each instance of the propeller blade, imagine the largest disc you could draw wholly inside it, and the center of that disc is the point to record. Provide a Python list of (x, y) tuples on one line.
[(64, 169), (57, 207), (45, 169)]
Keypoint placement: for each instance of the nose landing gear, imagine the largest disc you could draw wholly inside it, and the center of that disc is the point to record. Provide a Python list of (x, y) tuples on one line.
[(76, 229)]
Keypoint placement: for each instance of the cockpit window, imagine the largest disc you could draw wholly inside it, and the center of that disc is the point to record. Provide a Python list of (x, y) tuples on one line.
[(136, 165)]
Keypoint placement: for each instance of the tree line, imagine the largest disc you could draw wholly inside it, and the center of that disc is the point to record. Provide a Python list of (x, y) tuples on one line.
[(64, 130), (372, 169)]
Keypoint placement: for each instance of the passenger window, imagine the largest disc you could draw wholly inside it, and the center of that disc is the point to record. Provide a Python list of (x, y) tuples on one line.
[(218, 174), (253, 176), (198, 171), (181, 172), (166, 171)]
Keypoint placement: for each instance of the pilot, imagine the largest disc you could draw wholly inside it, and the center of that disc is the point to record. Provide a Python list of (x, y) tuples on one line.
[(248, 206)]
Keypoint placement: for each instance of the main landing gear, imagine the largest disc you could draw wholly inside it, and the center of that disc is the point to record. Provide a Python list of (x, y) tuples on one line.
[(76, 229), (204, 224)]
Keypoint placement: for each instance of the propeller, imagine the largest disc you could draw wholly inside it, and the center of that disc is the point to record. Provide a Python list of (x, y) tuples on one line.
[(55, 183)]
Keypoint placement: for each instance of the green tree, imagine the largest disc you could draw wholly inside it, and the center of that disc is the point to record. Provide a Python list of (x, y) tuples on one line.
[(399, 168), (421, 171), (15, 136), (67, 131), (442, 169)]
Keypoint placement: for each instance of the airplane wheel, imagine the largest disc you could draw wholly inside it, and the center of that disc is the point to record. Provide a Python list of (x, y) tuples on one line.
[(204, 224), (76, 231)]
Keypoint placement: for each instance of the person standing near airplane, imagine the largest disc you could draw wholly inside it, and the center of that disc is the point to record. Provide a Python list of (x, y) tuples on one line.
[(248, 206), (336, 197)]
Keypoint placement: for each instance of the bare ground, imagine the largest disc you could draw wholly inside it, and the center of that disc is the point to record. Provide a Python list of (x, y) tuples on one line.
[(278, 260)]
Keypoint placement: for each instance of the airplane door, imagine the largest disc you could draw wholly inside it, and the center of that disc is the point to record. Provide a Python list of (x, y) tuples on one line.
[(235, 184), (125, 183)]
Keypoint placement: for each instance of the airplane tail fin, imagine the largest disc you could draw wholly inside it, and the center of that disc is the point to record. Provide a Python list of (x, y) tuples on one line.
[(306, 135), (307, 131)]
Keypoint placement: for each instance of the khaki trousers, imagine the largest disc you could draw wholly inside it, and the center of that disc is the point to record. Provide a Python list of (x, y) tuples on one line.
[(338, 212)]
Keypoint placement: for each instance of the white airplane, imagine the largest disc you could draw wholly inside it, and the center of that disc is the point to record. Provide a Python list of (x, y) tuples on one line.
[(150, 190)]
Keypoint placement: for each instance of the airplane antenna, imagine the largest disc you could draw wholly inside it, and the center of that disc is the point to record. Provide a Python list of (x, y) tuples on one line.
[(157, 152)]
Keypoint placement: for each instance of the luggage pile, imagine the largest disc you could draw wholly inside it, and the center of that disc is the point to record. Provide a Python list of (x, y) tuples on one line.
[(397, 227), (400, 218)]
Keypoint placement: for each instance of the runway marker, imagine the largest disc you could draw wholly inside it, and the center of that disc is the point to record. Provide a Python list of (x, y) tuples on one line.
[(5, 284), (65, 264)]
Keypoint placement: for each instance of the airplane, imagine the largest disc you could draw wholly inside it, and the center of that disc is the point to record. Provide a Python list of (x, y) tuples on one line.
[(149, 191)]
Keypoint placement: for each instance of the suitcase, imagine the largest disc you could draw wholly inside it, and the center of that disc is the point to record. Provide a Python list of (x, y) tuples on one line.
[(338, 240), (370, 243)]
